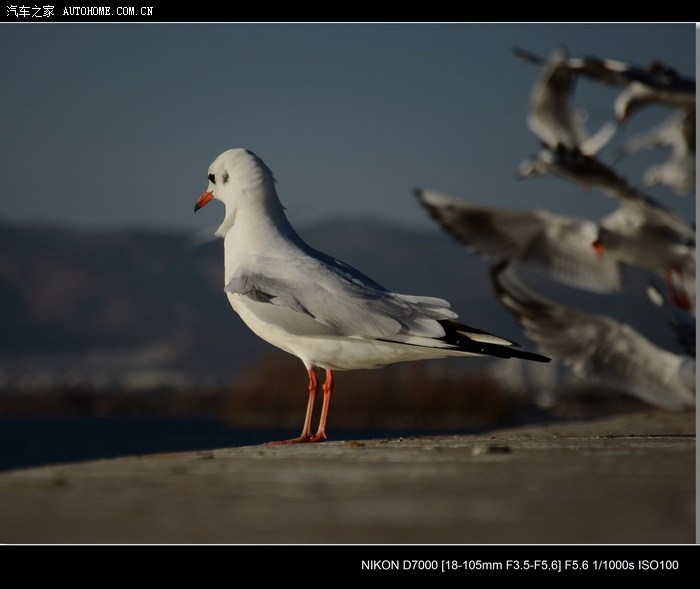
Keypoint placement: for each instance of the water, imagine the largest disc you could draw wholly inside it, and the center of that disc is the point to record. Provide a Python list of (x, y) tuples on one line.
[(40, 441), (27, 442)]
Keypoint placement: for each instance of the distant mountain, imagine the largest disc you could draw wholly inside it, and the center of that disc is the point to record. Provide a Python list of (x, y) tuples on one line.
[(144, 309)]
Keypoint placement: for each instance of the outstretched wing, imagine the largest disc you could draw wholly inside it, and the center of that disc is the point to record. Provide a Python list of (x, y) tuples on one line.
[(598, 348), (557, 245)]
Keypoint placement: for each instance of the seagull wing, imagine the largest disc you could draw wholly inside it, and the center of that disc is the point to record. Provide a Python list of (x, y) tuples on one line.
[(317, 293), (562, 247), (598, 348)]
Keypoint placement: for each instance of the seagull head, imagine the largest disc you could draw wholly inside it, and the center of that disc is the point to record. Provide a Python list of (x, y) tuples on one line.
[(233, 174), (246, 186)]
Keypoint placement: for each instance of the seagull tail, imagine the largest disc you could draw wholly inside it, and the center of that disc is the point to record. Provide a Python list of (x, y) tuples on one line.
[(475, 341)]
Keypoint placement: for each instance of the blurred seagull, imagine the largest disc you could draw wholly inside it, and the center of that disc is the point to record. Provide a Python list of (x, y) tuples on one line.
[(551, 116), (662, 87), (560, 246), (605, 71), (676, 132), (642, 86), (328, 314), (586, 170), (644, 234), (581, 253), (681, 321), (597, 348), (641, 231)]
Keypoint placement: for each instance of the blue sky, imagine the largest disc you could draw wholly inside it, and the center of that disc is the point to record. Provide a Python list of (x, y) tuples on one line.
[(114, 125)]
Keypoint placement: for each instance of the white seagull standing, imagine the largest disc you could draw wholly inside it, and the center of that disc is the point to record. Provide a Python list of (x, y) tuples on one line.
[(328, 314)]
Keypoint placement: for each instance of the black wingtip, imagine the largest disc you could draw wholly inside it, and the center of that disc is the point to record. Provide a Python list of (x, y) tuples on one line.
[(457, 335)]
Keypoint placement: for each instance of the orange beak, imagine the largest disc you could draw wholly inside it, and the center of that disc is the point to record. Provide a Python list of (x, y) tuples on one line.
[(203, 200), (599, 247)]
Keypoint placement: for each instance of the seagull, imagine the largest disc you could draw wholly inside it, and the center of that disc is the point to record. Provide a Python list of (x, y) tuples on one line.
[(655, 84), (574, 166), (551, 116), (681, 321), (664, 88), (643, 234), (606, 71), (642, 230), (560, 246), (578, 252), (676, 132), (597, 348), (323, 311), (590, 172)]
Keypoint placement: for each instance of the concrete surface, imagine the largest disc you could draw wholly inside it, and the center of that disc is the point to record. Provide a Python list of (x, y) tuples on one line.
[(622, 480)]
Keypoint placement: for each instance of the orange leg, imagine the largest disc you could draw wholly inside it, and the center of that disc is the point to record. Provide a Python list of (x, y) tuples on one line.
[(306, 432), (320, 434)]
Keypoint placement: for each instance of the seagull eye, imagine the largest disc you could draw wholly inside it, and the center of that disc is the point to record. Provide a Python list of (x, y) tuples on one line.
[(212, 178)]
